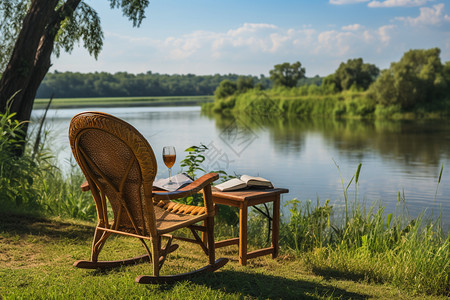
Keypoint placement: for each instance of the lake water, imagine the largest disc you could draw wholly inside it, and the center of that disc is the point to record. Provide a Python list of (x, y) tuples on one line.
[(300, 155)]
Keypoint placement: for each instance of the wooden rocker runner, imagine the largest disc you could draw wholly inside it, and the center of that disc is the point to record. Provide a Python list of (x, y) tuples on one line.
[(120, 167)]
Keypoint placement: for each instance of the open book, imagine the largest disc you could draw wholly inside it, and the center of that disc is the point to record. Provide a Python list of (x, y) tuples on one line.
[(178, 181), (245, 181)]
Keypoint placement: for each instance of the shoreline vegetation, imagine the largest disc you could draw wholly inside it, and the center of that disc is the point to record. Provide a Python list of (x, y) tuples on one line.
[(41, 103), (280, 102), (418, 86)]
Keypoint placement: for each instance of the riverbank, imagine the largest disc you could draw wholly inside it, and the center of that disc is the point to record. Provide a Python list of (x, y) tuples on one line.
[(41, 103), (317, 102)]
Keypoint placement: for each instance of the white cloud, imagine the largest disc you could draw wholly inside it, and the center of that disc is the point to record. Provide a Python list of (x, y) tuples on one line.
[(260, 44), (249, 28), (383, 33), (342, 2), (396, 3), (428, 16), (187, 45), (254, 48), (353, 27)]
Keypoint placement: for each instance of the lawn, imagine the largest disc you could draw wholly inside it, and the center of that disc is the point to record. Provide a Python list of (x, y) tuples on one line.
[(36, 256)]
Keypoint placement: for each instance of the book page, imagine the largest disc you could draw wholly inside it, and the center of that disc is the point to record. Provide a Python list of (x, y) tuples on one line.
[(178, 181), (230, 185), (256, 181)]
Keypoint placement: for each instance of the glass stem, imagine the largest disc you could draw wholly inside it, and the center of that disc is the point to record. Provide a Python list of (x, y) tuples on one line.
[(170, 175)]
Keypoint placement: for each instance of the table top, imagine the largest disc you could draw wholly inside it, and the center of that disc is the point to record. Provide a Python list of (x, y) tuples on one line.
[(248, 194)]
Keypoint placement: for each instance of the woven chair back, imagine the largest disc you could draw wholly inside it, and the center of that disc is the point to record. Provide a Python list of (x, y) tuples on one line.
[(120, 166)]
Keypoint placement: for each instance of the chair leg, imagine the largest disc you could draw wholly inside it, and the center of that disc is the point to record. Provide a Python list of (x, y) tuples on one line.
[(156, 246), (210, 234), (98, 242), (204, 235)]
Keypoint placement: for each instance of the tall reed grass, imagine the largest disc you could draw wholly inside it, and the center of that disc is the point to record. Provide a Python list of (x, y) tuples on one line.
[(33, 182), (413, 254), (303, 101)]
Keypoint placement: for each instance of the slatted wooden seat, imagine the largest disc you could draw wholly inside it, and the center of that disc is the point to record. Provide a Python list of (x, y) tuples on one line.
[(120, 167)]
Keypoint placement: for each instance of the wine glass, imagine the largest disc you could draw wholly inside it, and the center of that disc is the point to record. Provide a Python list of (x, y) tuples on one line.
[(169, 157)]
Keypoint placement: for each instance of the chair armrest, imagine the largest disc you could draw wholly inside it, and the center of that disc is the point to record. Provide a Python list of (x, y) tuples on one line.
[(85, 186), (190, 189)]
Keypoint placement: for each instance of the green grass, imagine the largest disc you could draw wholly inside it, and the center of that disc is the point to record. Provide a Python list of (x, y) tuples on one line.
[(37, 253), (123, 101)]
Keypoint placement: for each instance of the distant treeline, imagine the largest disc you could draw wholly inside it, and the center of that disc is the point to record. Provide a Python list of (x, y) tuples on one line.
[(416, 86), (123, 84)]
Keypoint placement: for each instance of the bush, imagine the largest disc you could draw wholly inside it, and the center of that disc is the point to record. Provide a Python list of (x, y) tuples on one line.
[(17, 173), (33, 182)]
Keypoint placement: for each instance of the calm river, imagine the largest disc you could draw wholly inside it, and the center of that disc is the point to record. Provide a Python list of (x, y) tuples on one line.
[(299, 154)]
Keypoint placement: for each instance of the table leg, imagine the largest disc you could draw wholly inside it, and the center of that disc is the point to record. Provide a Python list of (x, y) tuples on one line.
[(275, 226), (243, 211)]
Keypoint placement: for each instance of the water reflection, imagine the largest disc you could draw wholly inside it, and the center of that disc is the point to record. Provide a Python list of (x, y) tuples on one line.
[(396, 156), (425, 142)]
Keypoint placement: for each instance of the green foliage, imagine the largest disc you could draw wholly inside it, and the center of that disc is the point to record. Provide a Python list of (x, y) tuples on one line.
[(304, 101), (316, 80), (287, 74), (418, 79), (353, 74), (83, 25), (194, 159), (60, 194), (122, 84), (331, 83), (133, 9), (308, 226), (33, 182), (416, 87), (10, 12), (17, 173), (228, 88), (244, 84), (225, 89)]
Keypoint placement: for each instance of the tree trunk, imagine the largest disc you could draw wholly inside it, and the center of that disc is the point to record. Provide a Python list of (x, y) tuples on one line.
[(20, 68), (30, 60)]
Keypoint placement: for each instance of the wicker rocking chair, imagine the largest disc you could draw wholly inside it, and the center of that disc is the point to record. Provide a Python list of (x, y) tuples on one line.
[(120, 167)]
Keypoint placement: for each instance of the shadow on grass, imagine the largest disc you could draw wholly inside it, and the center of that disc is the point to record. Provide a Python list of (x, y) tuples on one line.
[(267, 286), (331, 273), (21, 224), (246, 284)]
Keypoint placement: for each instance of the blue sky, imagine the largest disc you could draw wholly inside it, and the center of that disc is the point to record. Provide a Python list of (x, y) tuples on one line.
[(250, 36)]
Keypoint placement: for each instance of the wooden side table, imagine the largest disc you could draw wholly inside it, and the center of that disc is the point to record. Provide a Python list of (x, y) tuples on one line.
[(243, 199)]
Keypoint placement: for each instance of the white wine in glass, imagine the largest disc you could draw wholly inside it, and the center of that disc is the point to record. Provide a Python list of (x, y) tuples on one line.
[(169, 157)]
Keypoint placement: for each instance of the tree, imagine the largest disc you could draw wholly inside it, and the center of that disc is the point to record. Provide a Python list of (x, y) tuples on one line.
[(419, 78), (353, 74), (225, 89), (47, 26), (287, 74), (244, 84)]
